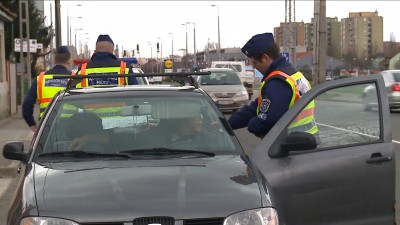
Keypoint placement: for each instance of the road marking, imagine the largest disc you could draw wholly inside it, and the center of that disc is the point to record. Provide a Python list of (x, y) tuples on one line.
[(359, 133), (342, 129)]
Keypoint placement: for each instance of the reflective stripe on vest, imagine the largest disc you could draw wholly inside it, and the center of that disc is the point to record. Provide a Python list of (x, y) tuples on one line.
[(87, 71), (47, 87), (305, 120)]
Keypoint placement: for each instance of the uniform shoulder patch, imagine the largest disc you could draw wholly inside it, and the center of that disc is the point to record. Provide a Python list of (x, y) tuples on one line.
[(265, 103)]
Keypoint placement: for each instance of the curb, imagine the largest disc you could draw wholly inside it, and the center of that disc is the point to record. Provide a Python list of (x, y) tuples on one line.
[(10, 170)]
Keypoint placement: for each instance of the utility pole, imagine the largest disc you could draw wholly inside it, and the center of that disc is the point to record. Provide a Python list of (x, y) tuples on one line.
[(319, 64), (25, 58), (58, 23)]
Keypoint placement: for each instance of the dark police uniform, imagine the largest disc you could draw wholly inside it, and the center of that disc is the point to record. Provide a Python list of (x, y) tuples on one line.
[(32, 97), (104, 62), (282, 85)]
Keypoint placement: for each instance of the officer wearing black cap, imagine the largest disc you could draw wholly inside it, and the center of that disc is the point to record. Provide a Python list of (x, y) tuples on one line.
[(43, 88), (104, 61), (282, 85)]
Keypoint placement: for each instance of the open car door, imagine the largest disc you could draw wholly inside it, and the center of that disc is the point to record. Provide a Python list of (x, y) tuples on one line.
[(345, 173)]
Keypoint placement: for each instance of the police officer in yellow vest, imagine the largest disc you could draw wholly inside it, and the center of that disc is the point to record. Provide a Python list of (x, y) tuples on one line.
[(282, 85), (103, 61), (43, 88)]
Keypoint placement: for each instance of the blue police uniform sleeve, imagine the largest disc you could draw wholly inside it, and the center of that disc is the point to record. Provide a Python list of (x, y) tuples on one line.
[(242, 117), (29, 104), (132, 80), (277, 95)]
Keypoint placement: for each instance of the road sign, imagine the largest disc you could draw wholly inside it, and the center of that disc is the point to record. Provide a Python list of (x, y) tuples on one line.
[(168, 64), (32, 45), (286, 55)]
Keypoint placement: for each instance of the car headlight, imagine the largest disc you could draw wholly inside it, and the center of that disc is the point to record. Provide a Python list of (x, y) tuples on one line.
[(263, 216), (242, 94), (45, 221)]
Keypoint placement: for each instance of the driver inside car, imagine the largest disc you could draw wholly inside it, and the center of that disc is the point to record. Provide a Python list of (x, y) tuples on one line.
[(83, 130)]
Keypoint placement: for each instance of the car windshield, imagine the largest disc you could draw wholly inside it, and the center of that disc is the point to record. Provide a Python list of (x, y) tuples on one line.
[(124, 125), (396, 77), (221, 78), (236, 68)]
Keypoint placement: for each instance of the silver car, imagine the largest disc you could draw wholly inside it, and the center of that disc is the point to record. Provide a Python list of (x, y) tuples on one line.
[(392, 83), (225, 88)]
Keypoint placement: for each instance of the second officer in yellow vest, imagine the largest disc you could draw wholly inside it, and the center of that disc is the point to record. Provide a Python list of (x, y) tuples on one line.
[(282, 86), (44, 87), (104, 62)]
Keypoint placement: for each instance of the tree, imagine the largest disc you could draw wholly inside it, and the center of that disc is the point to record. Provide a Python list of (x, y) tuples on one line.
[(37, 30)]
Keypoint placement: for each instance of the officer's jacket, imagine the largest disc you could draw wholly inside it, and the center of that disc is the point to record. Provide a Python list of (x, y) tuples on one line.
[(105, 63), (277, 95)]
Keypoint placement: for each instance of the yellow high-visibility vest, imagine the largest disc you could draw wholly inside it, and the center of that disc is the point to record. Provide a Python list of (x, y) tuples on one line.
[(305, 121)]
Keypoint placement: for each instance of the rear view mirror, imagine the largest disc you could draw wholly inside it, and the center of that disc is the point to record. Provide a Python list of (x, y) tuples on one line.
[(135, 110), (299, 141)]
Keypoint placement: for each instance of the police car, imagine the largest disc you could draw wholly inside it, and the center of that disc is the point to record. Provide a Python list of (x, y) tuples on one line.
[(166, 155)]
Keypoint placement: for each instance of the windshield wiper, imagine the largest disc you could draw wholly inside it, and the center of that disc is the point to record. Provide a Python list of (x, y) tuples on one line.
[(83, 154), (165, 151)]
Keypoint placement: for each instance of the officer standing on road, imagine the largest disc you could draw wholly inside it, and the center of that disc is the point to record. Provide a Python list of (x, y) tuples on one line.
[(43, 88), (282, 85), (104, 61)]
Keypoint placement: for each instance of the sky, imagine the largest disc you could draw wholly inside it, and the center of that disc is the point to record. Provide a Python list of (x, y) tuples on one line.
[(147, 22)]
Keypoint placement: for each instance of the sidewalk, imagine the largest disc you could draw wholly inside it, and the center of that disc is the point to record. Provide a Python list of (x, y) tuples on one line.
[(13, 128)]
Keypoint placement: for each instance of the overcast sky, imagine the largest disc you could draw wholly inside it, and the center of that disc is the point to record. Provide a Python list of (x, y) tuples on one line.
[(139, 22)]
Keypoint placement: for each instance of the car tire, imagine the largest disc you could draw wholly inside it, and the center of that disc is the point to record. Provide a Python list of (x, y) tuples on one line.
[(366, 107)]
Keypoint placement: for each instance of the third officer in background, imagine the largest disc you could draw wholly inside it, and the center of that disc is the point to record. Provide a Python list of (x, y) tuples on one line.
[(103, 61), (282, 85)]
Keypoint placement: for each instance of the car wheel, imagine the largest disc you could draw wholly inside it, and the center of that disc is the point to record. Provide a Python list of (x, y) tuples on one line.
[(366, 106)]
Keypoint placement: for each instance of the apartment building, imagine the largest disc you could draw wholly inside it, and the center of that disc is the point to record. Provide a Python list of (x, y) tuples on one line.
[(333, 36), (362, 35)]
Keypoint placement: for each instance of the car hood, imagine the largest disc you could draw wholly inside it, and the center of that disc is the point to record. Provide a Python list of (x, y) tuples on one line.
[(123, 190), (232, 88)]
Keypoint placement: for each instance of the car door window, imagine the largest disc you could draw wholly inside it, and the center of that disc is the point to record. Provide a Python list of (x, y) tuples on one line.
[(341, 117)]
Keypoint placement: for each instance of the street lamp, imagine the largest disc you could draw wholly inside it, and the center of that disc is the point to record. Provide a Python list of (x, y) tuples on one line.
[(80, 42), (172, 48), (151, 58), (194, 43), (219, 40), (76, 29), (186, 49), (70, 25), (68, 28)]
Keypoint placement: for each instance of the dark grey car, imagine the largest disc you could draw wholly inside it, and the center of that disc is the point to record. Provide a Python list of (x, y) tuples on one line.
[(135, 175)]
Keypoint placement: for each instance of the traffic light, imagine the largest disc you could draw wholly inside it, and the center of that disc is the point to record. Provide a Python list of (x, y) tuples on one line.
[(137, 48), (133, 52), (158, 47)]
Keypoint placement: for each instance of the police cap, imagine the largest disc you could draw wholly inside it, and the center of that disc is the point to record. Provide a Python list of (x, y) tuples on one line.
[(63, 50), (257, 44), (104, 37)]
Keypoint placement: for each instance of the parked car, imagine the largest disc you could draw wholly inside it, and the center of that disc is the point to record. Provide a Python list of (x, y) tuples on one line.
[(224, 87), (392, 84), (112, 162)]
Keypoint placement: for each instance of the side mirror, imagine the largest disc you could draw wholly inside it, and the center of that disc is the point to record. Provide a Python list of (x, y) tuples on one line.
[(15, 151), (299, 141)]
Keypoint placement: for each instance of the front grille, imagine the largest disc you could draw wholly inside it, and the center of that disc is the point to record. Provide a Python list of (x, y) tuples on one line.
[(224, 95), (157, 220), (206, 221)]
